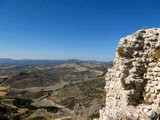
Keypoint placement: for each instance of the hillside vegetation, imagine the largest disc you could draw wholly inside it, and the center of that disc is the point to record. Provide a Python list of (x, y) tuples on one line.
[(49, 92)]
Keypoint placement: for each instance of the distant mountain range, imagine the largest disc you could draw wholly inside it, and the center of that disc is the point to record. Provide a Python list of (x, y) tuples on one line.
[(9, 62)]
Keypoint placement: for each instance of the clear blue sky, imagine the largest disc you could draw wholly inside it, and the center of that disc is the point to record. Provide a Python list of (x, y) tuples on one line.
[(66, 29)]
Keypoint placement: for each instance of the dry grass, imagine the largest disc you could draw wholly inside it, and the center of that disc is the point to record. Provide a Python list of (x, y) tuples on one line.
[(2, 77), (3, 88), (2, 93), (9, 105), (72, 118), (22, 110), (8, 99)]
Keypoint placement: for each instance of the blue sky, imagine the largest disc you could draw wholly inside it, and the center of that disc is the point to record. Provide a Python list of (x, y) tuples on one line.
[(71, 29)]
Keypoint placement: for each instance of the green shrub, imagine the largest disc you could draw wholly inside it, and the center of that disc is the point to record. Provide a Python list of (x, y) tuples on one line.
[(38, 118), (23, 103), (123, 82), (156, 54), (133, 102), (50, 109), (96, 115), (16, 118), (121, 51)]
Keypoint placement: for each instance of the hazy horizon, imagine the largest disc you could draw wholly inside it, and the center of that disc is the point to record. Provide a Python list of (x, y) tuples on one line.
[(56, 59), (66, 29)]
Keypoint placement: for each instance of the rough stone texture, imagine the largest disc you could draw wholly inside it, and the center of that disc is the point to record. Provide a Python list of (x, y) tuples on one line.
[(133, 84)]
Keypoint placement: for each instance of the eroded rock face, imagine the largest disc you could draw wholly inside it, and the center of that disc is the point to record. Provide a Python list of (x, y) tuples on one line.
[(133, 84)]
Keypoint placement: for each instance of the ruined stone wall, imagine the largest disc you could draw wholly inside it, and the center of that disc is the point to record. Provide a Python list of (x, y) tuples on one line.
[(133, 84)]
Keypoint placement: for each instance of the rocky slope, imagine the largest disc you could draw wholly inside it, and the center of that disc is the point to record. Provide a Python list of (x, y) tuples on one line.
[(133, 83)]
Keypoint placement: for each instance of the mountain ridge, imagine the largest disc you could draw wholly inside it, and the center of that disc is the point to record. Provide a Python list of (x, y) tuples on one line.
[(9, 61)]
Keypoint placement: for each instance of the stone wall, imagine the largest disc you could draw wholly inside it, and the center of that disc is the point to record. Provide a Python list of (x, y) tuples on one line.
[(133, 84)]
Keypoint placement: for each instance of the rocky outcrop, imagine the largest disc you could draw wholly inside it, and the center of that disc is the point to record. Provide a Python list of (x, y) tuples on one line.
[(133, 83)]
